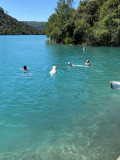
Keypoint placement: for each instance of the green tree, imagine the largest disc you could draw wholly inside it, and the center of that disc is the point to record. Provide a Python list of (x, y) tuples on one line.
[(95, 22), (56, 26)]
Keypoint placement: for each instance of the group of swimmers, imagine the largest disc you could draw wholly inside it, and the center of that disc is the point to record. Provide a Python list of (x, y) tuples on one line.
[(25, 68), (53, 71)]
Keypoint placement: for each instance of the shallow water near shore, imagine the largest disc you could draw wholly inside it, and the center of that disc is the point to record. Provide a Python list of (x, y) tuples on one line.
[(71, 115)]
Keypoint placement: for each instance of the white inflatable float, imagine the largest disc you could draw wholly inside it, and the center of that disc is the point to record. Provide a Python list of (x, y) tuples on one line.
[(115, 85)]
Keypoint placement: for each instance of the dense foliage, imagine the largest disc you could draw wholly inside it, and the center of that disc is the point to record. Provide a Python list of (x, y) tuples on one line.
[(95, 22), (39, 25), (10, 26)]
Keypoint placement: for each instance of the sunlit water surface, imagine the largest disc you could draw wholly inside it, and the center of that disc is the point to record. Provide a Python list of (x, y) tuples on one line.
[(71, 115)]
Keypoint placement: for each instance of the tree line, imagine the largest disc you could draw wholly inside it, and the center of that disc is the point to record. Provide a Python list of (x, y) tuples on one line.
[(94, 22), (39, 25)]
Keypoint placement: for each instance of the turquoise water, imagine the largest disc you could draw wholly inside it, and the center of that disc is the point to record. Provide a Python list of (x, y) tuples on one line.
[(72, 115)]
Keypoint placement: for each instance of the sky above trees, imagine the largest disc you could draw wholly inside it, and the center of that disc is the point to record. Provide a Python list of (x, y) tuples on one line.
[(31, 10)]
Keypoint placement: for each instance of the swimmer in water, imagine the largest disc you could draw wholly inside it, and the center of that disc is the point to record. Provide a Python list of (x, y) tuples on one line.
[(70, 64), (25, 68), (84, 48), (88, 63)]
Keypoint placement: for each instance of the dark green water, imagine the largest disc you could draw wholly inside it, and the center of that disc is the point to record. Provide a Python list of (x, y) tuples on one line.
[(72, 115)]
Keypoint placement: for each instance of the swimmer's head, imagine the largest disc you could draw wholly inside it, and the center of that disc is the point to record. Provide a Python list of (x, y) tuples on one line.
[(69, 63), (25, 67), (88, 61)]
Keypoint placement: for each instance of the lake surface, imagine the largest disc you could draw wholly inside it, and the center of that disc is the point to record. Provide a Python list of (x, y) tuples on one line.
[(71, 115)]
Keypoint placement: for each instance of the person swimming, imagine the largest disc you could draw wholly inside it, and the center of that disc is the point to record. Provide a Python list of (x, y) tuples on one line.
[(84, 48), (25, 68), (88, 63), (69, 63)]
